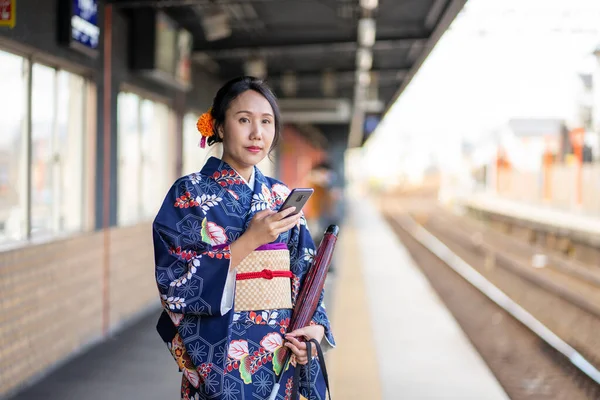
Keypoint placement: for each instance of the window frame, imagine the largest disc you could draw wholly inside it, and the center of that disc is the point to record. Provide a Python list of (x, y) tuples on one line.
[(88, 126)]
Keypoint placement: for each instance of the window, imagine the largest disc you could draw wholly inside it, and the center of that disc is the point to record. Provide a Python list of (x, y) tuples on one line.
[(43, 123), (146, 154), (129, 177), (69, 156), (13, 147), (42, 165), (57, 151), (158, 155)]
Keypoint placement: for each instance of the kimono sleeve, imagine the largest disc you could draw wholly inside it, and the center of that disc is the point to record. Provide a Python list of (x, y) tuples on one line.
[(192, 276), (302, 252)]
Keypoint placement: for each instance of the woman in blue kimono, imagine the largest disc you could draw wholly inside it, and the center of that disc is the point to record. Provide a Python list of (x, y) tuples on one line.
[(229, 265)]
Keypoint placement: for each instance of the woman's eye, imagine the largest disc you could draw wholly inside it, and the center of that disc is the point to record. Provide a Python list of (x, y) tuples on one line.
[(244, 120), (266, 121)]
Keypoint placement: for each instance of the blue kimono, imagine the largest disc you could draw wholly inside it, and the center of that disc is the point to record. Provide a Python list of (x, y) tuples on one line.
[(225, 354)]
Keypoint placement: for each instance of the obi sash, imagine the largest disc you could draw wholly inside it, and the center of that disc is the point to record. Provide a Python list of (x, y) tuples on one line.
[(263, 279)]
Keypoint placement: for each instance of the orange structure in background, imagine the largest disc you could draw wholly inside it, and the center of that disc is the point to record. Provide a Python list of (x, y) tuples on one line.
[(297, 157), (502, 164), (547, 162), (577, 136)]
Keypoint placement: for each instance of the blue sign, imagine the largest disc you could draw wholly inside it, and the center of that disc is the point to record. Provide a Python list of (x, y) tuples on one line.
[(371, 122), (84, 23)]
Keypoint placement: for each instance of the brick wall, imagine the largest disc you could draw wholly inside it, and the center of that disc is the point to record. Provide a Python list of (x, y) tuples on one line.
[(51, 298), (132, 284)]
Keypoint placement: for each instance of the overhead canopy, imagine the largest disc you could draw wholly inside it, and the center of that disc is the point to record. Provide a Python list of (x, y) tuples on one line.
[(358, 54)]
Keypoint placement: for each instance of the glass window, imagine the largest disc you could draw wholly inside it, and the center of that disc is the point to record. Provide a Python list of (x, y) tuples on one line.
[(13, 148), (158, 156), (42, 166), (57, 151), (129, 176), (69, 154), (146, 157), (43, 122)]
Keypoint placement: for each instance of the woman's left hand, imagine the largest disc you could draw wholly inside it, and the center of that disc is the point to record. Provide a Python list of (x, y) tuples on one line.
[(299, 348)]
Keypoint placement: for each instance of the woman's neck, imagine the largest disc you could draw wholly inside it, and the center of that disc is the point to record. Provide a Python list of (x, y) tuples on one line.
[(244, 172)]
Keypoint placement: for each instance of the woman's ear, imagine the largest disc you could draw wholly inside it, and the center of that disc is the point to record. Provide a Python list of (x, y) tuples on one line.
[(220, 132)]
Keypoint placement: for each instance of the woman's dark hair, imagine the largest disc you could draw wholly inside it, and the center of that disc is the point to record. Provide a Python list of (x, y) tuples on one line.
[(229, 92)]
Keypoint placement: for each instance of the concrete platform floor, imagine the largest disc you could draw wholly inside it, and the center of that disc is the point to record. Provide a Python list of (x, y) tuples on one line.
[(133, 365)]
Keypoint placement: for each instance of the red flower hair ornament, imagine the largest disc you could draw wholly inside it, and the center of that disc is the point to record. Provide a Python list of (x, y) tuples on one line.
[(205, 126)]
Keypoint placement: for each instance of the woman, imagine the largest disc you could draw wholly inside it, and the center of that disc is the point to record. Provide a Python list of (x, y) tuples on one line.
[(229, 265)]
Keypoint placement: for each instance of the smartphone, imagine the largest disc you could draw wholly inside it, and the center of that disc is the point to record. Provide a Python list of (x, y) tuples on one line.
[(297, 198)]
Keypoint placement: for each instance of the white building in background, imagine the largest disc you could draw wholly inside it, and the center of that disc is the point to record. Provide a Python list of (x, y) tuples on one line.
[(585, 117), (585, 101), (525, 140), (594, 92)]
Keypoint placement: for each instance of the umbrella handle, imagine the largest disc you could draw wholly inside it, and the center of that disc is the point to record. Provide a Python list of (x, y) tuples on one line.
[(273, 395), (333, 229), (277, 385)]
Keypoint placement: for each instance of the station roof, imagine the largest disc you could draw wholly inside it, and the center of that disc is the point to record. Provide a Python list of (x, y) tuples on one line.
[(308, 37), (304, 41)]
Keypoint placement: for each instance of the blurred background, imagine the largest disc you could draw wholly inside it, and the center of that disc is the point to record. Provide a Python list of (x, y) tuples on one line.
[(456, 143)]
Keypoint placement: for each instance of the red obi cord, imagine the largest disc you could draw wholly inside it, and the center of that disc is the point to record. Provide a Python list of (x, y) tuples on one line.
[(264, 274)]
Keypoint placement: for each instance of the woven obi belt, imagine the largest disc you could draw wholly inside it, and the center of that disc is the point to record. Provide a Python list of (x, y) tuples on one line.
[(263, 280)]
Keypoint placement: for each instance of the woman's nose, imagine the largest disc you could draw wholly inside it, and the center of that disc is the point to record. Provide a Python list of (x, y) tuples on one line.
[(256, 132)]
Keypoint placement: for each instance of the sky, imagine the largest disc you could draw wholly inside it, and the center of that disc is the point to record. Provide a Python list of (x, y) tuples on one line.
[(499, 59)]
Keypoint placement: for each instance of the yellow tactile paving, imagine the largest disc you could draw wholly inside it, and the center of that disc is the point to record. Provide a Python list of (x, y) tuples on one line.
[(353, 363)]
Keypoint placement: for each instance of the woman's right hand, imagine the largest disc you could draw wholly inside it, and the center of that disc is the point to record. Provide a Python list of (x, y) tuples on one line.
[(267, 225), (264, 228)]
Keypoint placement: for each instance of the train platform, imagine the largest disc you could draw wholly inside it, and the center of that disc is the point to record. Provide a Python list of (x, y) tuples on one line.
[(396, 340), (552, 219), (571, 232)]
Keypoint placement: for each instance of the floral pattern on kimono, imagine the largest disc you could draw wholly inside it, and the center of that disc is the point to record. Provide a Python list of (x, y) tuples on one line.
[(225, 354)]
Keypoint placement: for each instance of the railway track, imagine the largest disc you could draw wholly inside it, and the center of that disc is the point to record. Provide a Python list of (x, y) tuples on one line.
[(537, 328), (520, 247), (573, 284), (563, 299)]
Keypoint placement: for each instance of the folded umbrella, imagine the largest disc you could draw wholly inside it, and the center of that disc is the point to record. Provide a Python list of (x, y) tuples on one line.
[(308, 298)]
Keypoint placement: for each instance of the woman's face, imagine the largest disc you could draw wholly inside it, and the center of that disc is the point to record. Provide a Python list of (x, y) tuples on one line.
[(248, 130)]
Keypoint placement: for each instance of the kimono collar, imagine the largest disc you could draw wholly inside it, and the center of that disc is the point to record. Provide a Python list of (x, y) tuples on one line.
[(250, 182), (264, 195), (227, 176)]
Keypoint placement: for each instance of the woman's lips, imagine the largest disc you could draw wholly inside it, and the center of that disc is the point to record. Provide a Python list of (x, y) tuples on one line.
[(253, 149)]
